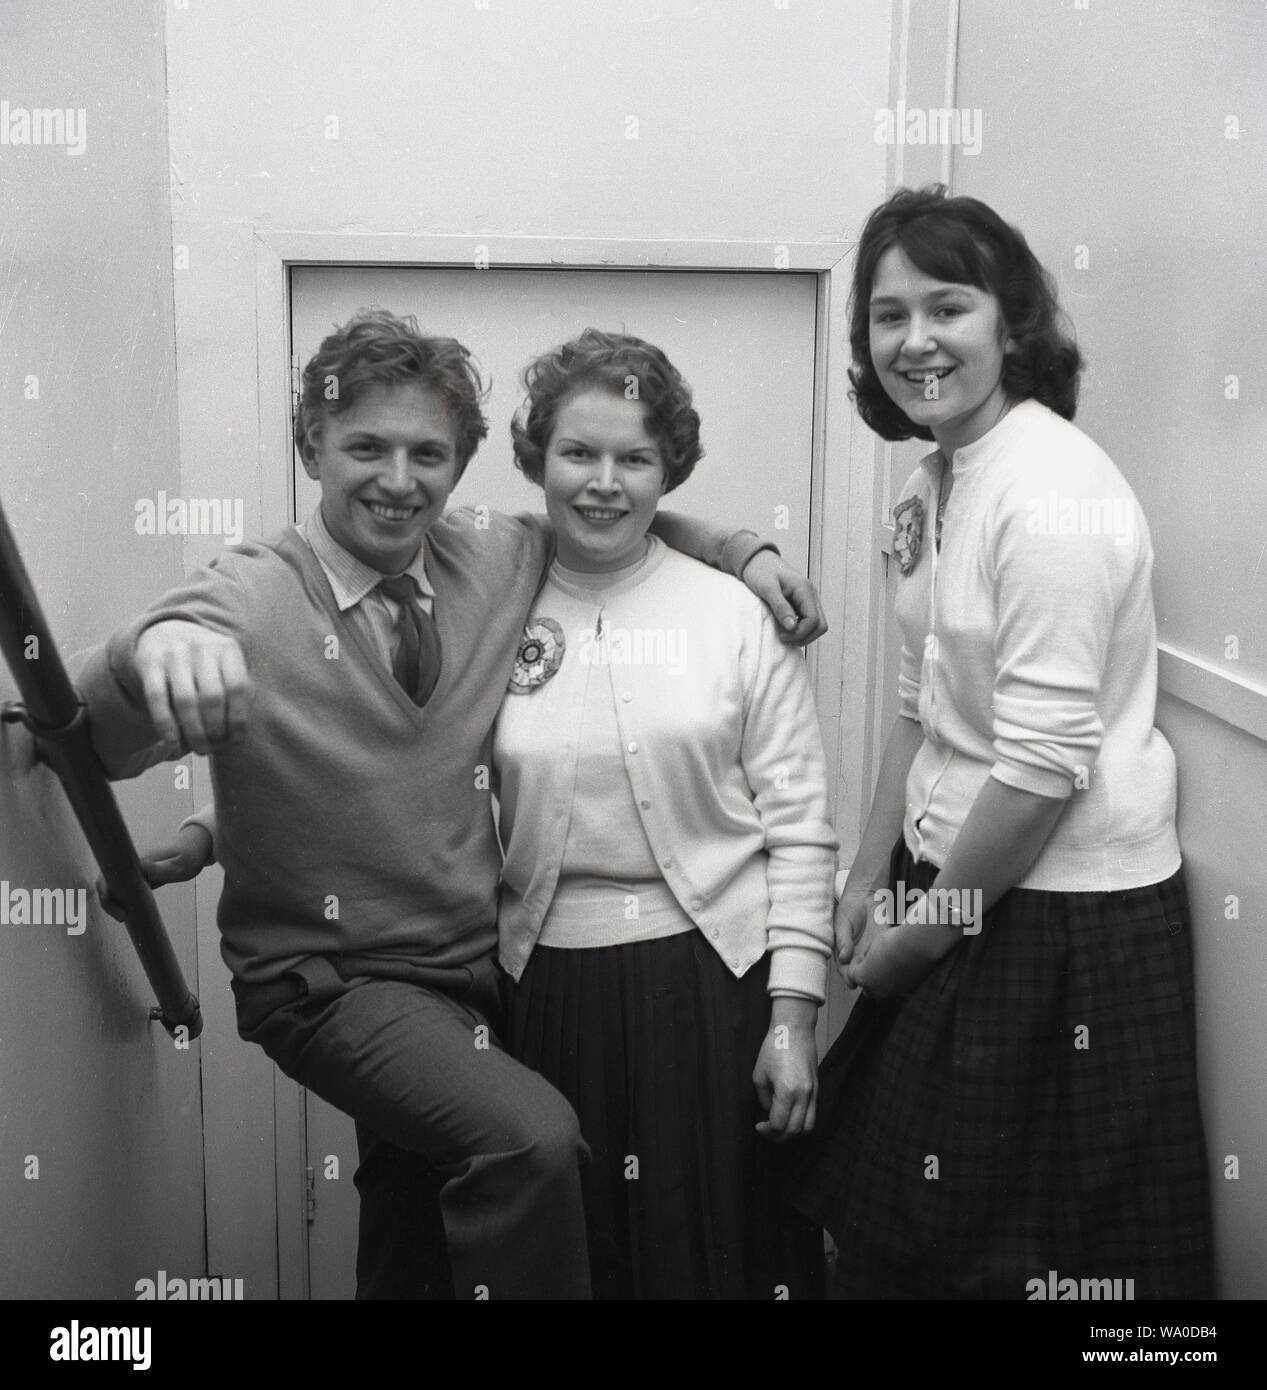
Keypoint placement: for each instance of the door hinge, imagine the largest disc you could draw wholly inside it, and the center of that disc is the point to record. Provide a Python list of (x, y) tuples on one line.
[(310, 1195)]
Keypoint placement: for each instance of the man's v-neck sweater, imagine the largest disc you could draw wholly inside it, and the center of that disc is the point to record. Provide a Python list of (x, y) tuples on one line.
[(350, 821)]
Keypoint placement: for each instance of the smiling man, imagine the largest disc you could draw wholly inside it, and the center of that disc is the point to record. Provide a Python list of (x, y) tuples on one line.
[(380, 514), (344, 678)]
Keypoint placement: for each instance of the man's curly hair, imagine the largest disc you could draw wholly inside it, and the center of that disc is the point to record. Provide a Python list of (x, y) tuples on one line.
[(377, 348)]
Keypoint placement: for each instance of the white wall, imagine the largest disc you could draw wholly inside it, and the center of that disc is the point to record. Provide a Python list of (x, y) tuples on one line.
[(510, 120), (90, 1088)]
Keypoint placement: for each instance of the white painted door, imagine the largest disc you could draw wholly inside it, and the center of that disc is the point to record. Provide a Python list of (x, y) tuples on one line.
[(745, 342)]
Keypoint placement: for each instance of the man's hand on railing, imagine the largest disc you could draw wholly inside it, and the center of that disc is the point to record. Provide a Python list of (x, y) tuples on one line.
[(176, 863), (196, 684)]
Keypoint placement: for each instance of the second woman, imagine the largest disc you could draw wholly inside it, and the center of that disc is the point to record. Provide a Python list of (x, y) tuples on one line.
[(666, 899)]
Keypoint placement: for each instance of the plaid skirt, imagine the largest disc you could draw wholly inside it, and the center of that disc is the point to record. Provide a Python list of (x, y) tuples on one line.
[(1030, 1107), (654, 1044)]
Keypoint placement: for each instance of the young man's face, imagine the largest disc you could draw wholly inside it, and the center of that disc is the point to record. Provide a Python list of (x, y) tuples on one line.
[(386, 466)]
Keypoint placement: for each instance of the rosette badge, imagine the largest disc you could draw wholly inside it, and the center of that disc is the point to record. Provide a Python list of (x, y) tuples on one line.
[(539, 656), (908, 519)]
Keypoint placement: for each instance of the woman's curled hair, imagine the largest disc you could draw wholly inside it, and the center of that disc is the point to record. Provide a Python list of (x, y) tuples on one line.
[(625, 366)]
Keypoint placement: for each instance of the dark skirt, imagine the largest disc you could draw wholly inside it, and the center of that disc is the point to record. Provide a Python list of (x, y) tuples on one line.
[(1030, 1107), (654, 1044)]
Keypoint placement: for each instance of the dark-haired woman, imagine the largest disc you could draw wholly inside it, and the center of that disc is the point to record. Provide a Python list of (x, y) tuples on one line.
[(666, 896), (1012, 1105)]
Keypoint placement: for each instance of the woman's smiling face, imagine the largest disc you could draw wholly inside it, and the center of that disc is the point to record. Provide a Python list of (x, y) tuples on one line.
[(604, 476), (938, 347)]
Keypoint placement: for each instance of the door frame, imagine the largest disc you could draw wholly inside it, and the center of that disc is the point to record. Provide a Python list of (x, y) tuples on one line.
[(844, 482)]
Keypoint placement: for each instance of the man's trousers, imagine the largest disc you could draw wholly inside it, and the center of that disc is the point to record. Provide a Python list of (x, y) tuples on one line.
[(416, 1062)]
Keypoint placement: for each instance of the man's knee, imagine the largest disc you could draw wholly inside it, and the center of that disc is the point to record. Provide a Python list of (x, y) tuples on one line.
[(550, 1142)]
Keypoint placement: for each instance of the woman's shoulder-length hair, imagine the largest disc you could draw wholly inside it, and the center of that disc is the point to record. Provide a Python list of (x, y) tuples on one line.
[(964, 241)]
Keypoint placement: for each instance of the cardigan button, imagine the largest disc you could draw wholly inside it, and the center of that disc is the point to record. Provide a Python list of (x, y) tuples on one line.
[(633, 747), (696, 904), (646, 805), (666, 863), (626, 697), (716, 933)]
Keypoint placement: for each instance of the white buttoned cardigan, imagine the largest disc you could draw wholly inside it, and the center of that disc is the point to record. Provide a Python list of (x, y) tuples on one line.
[(1029, 655), (722, 749)]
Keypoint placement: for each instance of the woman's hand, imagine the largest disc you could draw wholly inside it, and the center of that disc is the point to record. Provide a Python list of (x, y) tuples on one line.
[(892, 960), (855, 912), (887, 968), (786, 1074), (790, 597), (175, 863)]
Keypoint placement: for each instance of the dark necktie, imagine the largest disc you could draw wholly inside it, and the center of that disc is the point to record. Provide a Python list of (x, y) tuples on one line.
[(416, 663)]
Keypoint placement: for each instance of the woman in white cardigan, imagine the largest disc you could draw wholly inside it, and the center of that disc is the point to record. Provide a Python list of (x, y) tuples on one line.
[(1012, 1108), (666, 896)]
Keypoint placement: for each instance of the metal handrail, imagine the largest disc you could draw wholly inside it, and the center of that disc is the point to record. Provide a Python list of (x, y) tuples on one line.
[(55, 714)]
